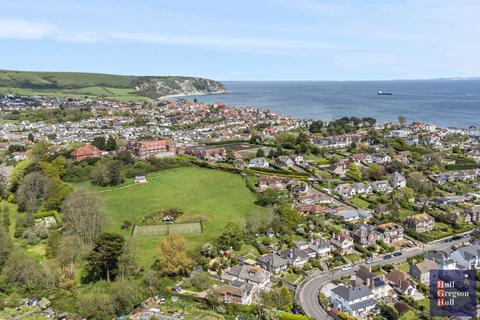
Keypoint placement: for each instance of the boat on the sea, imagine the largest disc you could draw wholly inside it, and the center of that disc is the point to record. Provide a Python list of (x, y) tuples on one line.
[(381, 93)]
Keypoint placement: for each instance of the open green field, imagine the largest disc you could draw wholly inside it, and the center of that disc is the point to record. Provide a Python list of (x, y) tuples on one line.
[(214, 196)]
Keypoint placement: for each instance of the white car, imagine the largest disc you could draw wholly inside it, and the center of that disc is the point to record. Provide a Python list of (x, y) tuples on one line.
[(347, 267)]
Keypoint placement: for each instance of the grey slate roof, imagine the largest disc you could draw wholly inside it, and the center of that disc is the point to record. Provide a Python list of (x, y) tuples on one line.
[(352, 293)]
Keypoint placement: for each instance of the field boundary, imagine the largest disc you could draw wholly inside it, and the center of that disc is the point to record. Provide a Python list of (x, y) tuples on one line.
[(166, 229)]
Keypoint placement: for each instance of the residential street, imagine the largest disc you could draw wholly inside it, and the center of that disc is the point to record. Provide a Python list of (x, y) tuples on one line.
[(308, 291)]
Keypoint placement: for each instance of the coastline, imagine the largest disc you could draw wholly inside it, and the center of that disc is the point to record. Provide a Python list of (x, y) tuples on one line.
[(176, 96)]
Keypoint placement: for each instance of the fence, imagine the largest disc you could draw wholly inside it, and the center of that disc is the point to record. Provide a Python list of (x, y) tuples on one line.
[(166, 229)]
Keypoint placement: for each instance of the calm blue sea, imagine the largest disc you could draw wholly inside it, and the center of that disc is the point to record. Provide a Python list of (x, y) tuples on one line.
[(442, 102)]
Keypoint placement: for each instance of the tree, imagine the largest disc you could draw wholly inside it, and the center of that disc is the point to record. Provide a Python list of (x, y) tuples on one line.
[(125, 157), (5, 247), (260, 153), (111, 144), (316, 126), (83, 215), (30, 191), (376, 171), (232, 236), (99, 142), (230, 155), (353, 173), (172, 257), (107, 173), (103, 260), (31, 137), (402, 120), (55, 193), (268, 197)]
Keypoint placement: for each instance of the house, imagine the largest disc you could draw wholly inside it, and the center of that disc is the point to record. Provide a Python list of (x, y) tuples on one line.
[(449, 200), (376, 283), (381, 186), (342, 242), (340, 169), (456, 216), (403, 157), (421, 270), (474, 212), (153, 148), (362, 188), (398, 180), (271, 182), (390, 232), (239, 164), (299, 161), (140, 178), (345, 190), (312, 209), (420, 222), (284, 162), (442, 259), (354, 300), (272, 263), (381, 159), (294, 256), (250, 274), (468, 257), (237, 292), (364, 234), (85, 152), (401, 282), (208, 153), (320, 246), (261, 162), (355, 214)]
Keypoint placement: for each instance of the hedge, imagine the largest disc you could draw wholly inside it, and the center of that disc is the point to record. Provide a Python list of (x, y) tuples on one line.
[(52, 213), (291, 316)]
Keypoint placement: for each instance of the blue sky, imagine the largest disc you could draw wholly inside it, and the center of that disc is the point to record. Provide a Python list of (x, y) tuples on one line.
[(245, 40)]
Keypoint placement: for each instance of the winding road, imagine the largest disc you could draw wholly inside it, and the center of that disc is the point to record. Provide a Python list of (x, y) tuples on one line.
[(308, 291)]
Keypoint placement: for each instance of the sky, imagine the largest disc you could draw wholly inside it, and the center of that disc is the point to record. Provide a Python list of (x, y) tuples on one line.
[(246, 39)]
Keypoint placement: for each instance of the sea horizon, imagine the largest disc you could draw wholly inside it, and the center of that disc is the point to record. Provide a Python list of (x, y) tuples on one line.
[(431, 101)]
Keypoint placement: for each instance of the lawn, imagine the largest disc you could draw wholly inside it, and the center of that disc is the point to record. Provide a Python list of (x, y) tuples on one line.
[(293, 278), (405, 266), (214, 196), (359, 203)]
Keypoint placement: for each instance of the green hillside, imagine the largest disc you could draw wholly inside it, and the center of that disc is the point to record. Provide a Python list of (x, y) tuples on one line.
[(77, 84)]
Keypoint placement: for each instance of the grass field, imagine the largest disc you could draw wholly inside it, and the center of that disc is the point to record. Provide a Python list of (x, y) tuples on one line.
[(359, 202), (216, 197)]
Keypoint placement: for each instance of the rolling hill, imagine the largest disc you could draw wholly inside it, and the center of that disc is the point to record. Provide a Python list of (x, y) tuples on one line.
[(104, 85)]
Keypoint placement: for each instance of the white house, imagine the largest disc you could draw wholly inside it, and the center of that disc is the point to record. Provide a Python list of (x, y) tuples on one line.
[(467, 258), (355, 300)]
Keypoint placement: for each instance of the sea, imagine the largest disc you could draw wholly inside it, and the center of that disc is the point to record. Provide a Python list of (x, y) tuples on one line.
[(446, 103)]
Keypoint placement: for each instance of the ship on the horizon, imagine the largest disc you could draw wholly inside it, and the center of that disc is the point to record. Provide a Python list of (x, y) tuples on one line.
[(381, 93)]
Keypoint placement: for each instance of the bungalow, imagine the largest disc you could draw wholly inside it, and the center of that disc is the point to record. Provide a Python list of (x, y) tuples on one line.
[(312, 209), (271, 182), (354, 214), (421, 270), (354, 300), (140, 179), (398, 180), (381, 159), (261, 162), (381, 186), (403, 157), (376, 283), (340, 169), (250, 274), (390, 232), (456, 216), (238, 292), (450, 200), (239, 164), (284, 162), (272, 263), (467, 258), (342, 242), (420, 222), (401, 282)]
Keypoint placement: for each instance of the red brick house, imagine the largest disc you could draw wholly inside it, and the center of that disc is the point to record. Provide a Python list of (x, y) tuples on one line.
[(86, 152), (154, 148)]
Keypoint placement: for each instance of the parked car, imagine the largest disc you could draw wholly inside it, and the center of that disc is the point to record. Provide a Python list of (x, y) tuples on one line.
[(397, 254), (347, 267), (388, 256)]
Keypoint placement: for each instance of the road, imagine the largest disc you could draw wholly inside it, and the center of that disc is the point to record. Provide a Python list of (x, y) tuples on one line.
[(308, 291)]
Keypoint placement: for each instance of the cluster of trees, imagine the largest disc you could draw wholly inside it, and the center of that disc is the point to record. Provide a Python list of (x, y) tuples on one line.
[(341, 126), (109, 144), (57, 115)]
